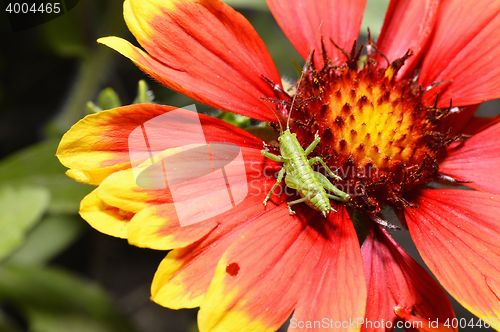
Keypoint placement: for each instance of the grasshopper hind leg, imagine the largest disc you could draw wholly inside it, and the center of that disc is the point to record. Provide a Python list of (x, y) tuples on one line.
[(300, 200)]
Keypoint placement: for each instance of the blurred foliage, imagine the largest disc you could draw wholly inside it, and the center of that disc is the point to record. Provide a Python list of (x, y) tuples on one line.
[(54, 300), (16, 219), (52, 76)]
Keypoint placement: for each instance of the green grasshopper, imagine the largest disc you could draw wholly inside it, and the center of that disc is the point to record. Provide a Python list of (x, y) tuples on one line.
[(310, 184)]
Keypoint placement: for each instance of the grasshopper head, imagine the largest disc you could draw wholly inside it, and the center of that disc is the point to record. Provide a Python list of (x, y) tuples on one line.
[(289, 146)]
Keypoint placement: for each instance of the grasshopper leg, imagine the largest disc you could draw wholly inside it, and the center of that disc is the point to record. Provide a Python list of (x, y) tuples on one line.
[(311, 146), (314, 160), (272, 156), (278, 180), (300, 200), (340, 195)]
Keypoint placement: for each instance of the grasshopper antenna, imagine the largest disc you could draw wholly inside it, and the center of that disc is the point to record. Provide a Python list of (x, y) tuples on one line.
[(276, 115), (308, 61)]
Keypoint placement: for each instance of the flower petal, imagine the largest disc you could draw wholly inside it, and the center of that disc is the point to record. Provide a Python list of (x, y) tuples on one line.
[(476, 160), (408, 25), (203, 49), (337, 287), (97, 145), (159, 213), (184, 276), (103, 217), (456, 233), (478, 124), (395, 279), (300, 20), (458, 122), (100, 144), (464, 49), (419, 324), (259, 279)]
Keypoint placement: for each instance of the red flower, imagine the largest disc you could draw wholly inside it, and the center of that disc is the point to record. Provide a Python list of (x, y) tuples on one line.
[(387, 127)]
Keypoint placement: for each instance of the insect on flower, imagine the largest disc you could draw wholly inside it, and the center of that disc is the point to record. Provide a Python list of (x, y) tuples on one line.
[(311, 185), (300, 175)]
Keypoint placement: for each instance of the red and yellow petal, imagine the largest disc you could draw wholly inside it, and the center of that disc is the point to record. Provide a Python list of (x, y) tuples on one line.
[(476, 160), (300, 21), (158, 222), (457, 234), (408, 25), (464, 49), (282, 261), (100, 145), (336, 289), (394, 280), (203, 49), (97, 145), (258, 279), (184, 276), (105, 218)]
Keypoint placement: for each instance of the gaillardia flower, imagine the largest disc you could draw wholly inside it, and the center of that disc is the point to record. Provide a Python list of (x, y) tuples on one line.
[(391, 125)]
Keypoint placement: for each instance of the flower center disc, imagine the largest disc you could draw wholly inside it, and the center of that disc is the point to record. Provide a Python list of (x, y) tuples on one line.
[(374, 129)]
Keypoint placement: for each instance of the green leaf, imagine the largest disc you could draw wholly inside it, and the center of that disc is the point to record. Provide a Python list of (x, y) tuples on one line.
[(47, 239), (92, 108), (267, 134), (20, 209), (144, 95), (108, 99), (374, 17), (38, 166), (248, 4), (235, 119), (56, 301)]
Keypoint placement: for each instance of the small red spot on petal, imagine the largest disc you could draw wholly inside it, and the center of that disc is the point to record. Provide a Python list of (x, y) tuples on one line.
[(233, 269)]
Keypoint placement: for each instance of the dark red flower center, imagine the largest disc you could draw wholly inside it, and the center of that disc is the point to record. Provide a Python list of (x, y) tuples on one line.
[(375, 130)]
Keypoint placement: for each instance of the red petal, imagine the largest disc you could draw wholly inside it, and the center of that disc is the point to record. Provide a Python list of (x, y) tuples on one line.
[(203, 49), (476, 160), (395, 279), (300, 19), (337, 288), (459, 121), (258, 280), (464, 49), (457, 234), (478, 124), (408, 25), (261, 277), (418, 324)]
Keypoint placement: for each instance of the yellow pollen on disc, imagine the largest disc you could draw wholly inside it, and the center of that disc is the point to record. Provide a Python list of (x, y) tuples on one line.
[(374, 119)]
